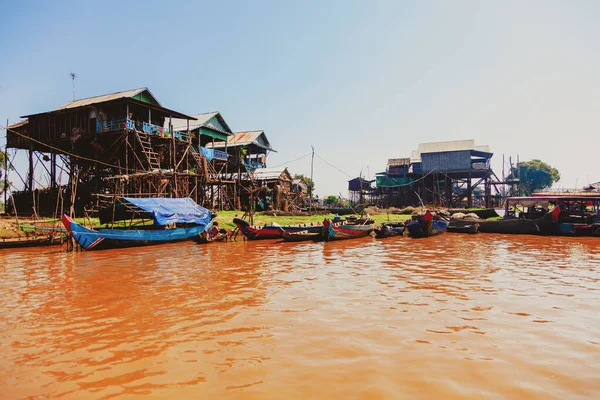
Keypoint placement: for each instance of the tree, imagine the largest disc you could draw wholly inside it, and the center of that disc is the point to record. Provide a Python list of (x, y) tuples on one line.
[(331, 200), (535, 175), (309, 183)]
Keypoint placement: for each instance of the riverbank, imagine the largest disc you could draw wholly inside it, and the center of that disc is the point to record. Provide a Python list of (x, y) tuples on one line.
[(9, 228)]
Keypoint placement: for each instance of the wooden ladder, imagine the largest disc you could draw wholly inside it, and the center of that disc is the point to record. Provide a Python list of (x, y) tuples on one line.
[(148, 151), (197, 156)]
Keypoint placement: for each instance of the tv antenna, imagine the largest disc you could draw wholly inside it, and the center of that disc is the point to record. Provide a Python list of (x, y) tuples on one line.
[(73, 76)]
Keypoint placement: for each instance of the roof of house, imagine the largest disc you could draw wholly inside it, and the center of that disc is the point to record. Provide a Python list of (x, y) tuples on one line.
[(399, 161), (270, 173), (257, 138), (128, 94), (201, 121), (265, 174), (107, 97), (440, 147), (18, 124)]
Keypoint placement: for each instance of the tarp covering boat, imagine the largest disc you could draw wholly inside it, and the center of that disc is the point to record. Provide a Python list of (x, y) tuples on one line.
[(160, 209), (167, 211)]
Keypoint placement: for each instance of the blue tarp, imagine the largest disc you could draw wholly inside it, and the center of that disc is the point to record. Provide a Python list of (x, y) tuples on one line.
[(208, 153), (167, 211)]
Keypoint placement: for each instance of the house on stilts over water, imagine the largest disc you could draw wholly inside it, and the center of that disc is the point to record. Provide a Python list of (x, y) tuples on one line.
[(91, 151)]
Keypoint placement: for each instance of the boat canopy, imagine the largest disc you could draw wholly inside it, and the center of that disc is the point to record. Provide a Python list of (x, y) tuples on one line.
[(162, 210)]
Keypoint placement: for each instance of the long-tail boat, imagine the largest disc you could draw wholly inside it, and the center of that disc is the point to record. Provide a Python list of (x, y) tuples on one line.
[(426, 225), (173, 219), (346, 230), (270, 231), (390, 229)]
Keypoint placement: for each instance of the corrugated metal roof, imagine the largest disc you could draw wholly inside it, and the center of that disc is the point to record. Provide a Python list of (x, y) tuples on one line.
[(263, 174), (438, 147), (106, 97), (269, 173), (18, 124), (244, 139), (128, 94), (202, 120), (181, 124), (399, 161)]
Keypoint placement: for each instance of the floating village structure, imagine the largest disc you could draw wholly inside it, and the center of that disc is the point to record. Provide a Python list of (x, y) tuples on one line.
[(127, 144), (455, 173)]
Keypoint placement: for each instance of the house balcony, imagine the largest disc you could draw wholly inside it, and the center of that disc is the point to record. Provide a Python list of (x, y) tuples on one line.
[(128, 124), (252, 165), (212, 154)]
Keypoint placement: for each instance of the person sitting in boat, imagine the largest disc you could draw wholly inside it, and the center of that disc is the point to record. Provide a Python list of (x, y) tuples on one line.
[(213, 232)]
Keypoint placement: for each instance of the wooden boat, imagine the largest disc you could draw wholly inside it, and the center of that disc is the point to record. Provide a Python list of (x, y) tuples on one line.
[(345, 230), (472, 227), (175, 219), (425, 226), (270, 231), (518, 226), (390, 229), (347, 210), (301, 236), (203, 237), (535, 217), (12, 243)]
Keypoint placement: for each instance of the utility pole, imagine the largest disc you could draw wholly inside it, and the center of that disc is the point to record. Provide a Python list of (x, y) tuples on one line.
[(5, 189), (73, 78), (312, 161)]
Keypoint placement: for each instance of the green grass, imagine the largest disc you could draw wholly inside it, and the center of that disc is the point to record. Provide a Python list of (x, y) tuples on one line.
[(225, 219)]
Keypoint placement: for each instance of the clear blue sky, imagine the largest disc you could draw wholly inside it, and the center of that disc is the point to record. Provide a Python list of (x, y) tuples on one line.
[(362, 81)]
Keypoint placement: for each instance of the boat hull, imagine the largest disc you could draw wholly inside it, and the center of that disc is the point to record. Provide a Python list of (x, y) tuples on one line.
[(270, 232), (468, 228), (517, 226), (420, 229), (13, 243), (389, 230), (301, 236), (340, 232), (91, 239)]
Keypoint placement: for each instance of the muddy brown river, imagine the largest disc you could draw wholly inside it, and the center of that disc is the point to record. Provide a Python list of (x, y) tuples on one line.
[(448, 317)]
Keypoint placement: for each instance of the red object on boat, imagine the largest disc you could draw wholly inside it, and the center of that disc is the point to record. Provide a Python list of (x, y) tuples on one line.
[(555, 213), (428, 217)]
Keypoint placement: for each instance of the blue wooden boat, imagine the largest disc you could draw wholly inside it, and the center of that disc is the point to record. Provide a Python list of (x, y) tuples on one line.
[(425, 226), (174, 220)]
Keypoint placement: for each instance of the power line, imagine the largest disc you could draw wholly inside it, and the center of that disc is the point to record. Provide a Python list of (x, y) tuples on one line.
[(292, 161), (333, 166)]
